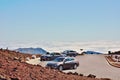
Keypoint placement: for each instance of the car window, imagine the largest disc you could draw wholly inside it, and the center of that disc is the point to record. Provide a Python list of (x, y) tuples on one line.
[(55, 54), (59, 59), (72, 51), (69, 59), (52, 54)]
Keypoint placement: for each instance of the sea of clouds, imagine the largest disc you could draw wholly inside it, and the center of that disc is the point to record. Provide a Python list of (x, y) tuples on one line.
[(59, 46)]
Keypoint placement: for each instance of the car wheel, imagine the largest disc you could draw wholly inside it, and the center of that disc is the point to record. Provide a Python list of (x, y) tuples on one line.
[(75, 66), (60, 68), (41, 60)]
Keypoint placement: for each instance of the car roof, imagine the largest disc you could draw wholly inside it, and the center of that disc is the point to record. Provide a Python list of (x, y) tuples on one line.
[(67, 57), (54, 53)]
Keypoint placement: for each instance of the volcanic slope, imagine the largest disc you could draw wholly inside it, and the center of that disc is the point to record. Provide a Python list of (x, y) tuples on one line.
[(16, 69)]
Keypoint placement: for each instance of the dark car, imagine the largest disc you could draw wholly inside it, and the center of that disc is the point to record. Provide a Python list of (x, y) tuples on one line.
[(70, 53), (50, 56), (62, 63)]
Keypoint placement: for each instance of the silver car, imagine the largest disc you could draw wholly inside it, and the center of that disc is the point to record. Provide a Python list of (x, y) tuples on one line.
[(62, 63)]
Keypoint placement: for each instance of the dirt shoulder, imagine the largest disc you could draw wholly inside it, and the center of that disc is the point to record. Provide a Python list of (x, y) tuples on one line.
[(112, 62)]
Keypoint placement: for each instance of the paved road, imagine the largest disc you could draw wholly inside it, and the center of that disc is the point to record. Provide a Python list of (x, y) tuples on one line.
[(97, 65), (93, 64)]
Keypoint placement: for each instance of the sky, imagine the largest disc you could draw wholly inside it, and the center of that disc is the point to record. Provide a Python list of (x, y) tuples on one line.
[(59, 20)]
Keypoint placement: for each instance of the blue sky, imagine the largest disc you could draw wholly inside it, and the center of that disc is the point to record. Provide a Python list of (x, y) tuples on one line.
[(59, 20)]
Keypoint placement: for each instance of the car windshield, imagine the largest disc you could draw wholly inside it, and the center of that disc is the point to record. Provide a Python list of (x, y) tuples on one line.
[(54, 54), (72, 51), (59, 59)]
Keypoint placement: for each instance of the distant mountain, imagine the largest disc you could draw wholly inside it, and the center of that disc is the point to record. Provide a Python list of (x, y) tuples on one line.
[(91, 52), (31, 50)]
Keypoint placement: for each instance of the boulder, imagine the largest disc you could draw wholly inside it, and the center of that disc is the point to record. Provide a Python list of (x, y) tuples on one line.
[(91, 76)]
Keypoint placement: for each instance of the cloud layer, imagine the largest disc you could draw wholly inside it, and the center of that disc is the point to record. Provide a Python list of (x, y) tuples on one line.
[(101, 46)]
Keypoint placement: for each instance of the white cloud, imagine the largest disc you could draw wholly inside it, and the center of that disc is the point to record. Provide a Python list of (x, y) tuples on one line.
[(101, 46)]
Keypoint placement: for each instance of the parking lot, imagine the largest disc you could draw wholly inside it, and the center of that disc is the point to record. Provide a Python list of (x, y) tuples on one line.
[(90, 64)]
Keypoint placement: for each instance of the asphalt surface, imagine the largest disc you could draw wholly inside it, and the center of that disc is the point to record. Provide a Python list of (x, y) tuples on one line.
[(91, 64)]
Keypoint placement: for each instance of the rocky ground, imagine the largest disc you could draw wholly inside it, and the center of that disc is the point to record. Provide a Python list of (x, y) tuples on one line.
[(14, 67), (112, 62)]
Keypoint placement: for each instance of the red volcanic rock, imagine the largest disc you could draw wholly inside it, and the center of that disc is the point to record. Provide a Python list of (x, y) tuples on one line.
[(13, 69)]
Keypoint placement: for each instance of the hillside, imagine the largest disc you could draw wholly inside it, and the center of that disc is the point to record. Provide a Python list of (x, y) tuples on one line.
[(13, 69)]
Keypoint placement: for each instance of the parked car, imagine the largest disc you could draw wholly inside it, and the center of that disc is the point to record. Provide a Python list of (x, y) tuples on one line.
[(62, 63), (70, 53), (50, 56)]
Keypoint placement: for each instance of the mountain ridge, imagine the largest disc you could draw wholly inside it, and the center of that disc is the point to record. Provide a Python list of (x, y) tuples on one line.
[(31, 50)]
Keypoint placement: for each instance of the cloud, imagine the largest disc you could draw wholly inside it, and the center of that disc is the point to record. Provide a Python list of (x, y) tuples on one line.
[(101, 46)]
